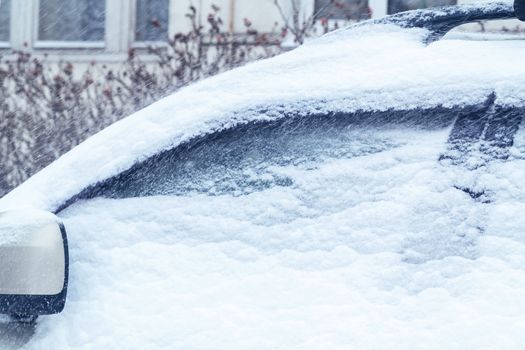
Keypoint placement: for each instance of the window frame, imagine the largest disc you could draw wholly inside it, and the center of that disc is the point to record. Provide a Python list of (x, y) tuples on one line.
[(119, 29), (147, 43), (65, 44)]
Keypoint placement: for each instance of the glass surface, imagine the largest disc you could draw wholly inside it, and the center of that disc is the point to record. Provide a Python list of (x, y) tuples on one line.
[(343, 9), (247, 159), (5, 8), (152, 20), (71, 20), (395, 6)]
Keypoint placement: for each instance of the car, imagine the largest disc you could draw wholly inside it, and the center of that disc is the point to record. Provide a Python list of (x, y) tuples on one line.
[(364, 190)]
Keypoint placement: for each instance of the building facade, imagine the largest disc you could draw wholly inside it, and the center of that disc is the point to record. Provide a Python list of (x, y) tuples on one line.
[(78, 29)]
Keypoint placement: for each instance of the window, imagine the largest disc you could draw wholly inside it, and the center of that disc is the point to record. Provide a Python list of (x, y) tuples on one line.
[(71, 20), (5, 8), (395, 6), (152, 20), (342, 9), (246, 158)]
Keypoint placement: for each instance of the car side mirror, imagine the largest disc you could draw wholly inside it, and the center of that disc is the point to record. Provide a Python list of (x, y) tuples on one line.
[(33, 263)]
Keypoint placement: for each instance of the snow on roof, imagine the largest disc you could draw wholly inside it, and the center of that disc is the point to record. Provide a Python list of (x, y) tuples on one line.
[(376, 67)]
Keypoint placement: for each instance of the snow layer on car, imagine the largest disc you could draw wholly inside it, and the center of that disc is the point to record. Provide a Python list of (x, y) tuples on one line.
[(15, 228), (376, 67), (377, 251)]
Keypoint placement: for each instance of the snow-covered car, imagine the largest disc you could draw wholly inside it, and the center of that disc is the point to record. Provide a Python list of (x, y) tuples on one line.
[(363, 191)]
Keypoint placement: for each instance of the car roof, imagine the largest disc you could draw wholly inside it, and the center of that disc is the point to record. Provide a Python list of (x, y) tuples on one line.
[(373, 67)]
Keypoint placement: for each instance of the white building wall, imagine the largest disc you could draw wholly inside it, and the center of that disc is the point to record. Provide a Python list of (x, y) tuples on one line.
[(379, 8), (262, 13), (120, 24)]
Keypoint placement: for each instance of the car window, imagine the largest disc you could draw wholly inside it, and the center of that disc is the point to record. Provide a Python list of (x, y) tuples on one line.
[(258, 156)]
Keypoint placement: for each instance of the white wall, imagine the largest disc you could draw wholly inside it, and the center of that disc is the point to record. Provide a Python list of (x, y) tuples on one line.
[(120, 19), (379, 8), (262, 13)]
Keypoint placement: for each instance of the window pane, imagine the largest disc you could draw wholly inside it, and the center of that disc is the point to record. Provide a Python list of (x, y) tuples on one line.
[(71, 20), (342, 9), (5, 7), (152, 20), (395, 6), (251, 158)]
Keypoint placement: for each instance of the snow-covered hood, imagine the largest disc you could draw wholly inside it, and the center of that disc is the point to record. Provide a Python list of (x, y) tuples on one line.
[(376, 67)]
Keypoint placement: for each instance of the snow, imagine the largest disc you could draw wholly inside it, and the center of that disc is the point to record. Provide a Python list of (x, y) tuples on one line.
[(18, 226), (366, 249), (369, 251), (374, 67)]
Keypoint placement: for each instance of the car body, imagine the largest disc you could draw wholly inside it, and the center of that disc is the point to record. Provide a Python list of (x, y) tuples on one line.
[(361, 191)]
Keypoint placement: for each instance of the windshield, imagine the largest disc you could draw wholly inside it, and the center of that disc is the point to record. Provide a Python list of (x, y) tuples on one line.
[(257, 156)]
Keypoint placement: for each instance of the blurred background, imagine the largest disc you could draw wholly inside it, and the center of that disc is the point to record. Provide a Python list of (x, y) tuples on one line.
[(69, 68)]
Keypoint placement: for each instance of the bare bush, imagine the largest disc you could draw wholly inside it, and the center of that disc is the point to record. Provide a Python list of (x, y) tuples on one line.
[(45, 111), (300, 25)]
